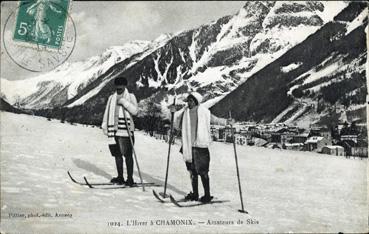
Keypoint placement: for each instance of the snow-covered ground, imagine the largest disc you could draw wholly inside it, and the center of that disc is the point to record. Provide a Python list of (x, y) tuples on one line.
[(284, 191)]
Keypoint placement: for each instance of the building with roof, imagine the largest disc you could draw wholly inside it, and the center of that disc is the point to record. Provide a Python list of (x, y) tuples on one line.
[(300, 138), (293, 146), (334, 150), (316, 143)]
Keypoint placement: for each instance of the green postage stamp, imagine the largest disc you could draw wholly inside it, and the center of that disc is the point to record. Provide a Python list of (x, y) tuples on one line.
[(40, 35), (41, 22)]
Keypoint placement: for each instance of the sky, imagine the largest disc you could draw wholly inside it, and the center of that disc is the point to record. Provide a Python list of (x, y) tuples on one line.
[(102, 24)]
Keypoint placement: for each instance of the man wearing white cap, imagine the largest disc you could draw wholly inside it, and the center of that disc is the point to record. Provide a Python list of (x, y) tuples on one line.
[(194, 121)]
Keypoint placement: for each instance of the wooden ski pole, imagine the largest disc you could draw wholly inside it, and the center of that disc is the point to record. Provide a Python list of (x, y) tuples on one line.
[(164, 195), (242, 210), (133, 149)]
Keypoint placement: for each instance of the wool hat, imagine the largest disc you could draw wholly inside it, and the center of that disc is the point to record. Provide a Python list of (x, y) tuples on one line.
[(120, 80), (195, 95)]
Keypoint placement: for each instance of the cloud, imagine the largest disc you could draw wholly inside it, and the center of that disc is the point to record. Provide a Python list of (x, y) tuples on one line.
[(87, 35), (117, 24), (141, 15)]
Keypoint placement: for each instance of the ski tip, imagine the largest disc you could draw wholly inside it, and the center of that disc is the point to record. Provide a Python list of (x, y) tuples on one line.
[(172, 198), (157, 196), (88, 184), (174, 201), (70, 176)]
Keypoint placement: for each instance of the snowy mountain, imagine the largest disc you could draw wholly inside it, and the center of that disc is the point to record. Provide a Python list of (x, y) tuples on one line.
[(56, 87), (325, 70), (217, 60), (212, 59)]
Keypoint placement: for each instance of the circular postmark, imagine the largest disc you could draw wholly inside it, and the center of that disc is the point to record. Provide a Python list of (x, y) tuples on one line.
[(40, 35)]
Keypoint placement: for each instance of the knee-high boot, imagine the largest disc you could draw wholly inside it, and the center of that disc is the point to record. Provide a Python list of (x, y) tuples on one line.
[(129, 165), (194, 183), (206, 183), (119, 165)]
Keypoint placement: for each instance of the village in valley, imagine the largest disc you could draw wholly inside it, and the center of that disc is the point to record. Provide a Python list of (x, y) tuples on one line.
[(346, 139), (342, 132)]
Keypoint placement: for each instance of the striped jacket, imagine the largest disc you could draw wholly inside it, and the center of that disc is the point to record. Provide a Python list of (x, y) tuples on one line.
[(128, 104)]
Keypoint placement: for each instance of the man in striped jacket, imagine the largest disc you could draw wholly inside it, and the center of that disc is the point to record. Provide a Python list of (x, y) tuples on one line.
[(120, 108)]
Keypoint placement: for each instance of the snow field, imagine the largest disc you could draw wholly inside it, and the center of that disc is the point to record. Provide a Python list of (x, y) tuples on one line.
[(282, 190)]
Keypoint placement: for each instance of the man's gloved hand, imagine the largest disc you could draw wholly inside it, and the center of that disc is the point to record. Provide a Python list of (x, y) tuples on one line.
[(230, 121), (172, 108), (124, 102)]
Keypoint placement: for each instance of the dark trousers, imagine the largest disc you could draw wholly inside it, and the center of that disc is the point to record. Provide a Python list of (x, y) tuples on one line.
[(125, 148), (199, 166)]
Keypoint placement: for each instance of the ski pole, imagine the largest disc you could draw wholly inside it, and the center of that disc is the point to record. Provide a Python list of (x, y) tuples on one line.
[(164, 195), (238, 173), (133, 149)]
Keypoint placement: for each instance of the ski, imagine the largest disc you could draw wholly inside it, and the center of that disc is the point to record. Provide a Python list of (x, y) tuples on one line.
[(186, 203), (88, 184), (157, 196), (105, 185), (164, 195), (73, 180), (84, 183), (162, 198), (115, 186)]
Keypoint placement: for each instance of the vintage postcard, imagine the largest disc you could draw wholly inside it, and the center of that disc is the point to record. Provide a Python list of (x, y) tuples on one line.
[(184, 117)]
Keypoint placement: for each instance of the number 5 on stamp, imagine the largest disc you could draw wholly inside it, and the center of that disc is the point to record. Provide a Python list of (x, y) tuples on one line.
[(41, 22)]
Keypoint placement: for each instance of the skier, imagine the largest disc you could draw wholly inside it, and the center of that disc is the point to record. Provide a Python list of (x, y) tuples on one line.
[(121, 106), (194, 121)]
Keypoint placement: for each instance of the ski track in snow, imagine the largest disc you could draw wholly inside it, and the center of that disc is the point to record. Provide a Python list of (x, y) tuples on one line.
[(284, 190)]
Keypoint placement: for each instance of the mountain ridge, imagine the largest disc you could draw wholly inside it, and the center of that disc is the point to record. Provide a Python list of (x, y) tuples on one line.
[(330, 38), (216, 59)]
